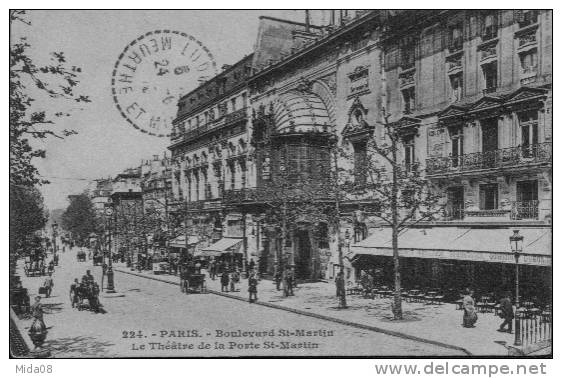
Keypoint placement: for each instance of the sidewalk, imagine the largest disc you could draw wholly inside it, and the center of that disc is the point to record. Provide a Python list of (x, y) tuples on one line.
[(438, 323)]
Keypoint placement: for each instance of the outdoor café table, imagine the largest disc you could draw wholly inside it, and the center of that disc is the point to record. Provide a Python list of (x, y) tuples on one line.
[(415, 294), (430, 297)]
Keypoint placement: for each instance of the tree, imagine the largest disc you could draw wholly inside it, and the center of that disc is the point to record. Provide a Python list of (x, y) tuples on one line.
[(55, 80), (395, 187), (80, 218), (27, 216), (296, 196)]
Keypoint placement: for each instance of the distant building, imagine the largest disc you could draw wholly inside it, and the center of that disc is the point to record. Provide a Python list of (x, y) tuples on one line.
[(127, 220)]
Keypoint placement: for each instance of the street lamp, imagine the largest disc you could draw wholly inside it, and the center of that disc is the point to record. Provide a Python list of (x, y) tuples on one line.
[(110, 284), (516, 242)]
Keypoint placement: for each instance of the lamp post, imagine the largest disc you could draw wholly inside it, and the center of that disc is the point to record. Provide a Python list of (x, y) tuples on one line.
[(110, 284), (516, 242), (55, 228)]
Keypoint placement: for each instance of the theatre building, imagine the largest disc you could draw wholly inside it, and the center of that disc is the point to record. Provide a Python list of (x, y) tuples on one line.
[(475, 89)]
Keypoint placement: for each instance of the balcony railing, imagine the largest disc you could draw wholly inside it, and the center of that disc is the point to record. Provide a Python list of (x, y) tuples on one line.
[(454, 212), (507, 157), (525, 210), (519, 210), (233, 196), (229, 118)]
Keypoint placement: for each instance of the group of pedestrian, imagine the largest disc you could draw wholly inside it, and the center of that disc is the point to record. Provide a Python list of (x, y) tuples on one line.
[(505, 312), (285, 280), (230, 280)]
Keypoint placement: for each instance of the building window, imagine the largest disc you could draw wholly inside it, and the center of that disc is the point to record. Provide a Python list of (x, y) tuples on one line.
[(527, 205), (490, 29), (244, 100), (234, 228), (196, 187), (409, 152), (187, 185), (490, 72), (232, 176), (360, 162), (456, 135), (243, 174), (407, 56), (359, 232), (528, 62), (455, 38), (527, 17), (455, 202), (409, 99), (322, 236), (528, 121), (456, 87), (233, 102), (488, 197)]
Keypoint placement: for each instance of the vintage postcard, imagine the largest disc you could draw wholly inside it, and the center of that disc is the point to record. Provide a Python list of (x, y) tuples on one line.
[(281, 183)]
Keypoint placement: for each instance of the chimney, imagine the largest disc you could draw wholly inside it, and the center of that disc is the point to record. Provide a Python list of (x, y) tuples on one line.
[(307, 20), (226, 67)]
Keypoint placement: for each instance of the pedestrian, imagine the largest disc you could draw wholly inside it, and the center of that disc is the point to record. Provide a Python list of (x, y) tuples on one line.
[(253, 288), (74, 292), (278, 279), (340, 285), (506, 313), (234, 279), (38, 326), (469, 317), (88, 278), (198, 266), (224, 281), (252, 265), (290, 281), (212, 269), (48, 285), (183, 279)]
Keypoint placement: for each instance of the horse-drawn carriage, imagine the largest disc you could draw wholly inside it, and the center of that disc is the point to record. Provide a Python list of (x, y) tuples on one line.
[(81, 255), (98, 258), (192, 280), (89, 291)]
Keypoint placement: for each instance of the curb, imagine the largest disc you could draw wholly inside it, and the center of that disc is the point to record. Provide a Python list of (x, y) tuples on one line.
[(318, 316)]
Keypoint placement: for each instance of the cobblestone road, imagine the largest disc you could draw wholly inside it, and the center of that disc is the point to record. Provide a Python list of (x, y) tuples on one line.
[(152, 319)]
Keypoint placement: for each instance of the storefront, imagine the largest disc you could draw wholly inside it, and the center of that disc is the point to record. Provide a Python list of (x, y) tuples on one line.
[(454, 258), (227, 252), (179, 247)]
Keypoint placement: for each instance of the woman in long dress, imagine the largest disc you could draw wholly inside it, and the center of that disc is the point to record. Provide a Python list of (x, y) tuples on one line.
[(38, 329), (470, 316)]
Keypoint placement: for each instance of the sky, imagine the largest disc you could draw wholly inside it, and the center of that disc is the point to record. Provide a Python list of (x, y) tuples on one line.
[(93, 40)]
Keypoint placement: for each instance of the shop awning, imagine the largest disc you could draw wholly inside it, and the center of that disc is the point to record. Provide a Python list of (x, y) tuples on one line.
[(179, 242), (458, 243), (222, 246)]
